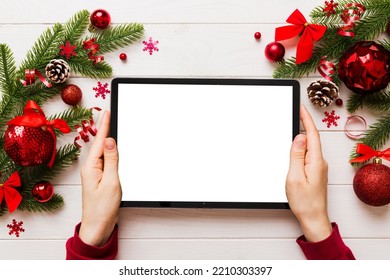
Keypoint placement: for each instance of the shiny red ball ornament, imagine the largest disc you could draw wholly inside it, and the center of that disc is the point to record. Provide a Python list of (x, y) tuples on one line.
[(339, 102), (365, 67), (42, 191), (372, 184), (123, 56), (257, 35), (71, 94), (100, 19), (28, 146), (274, 51)]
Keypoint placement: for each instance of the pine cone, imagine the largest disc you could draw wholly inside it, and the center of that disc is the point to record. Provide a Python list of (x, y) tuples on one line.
[(58, 70), (322, 92)]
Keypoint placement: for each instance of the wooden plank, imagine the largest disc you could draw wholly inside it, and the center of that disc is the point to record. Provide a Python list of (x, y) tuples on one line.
[(356, 220), (193, 249), (156, 11)]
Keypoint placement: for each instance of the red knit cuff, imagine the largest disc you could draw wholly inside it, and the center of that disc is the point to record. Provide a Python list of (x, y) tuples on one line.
[(331, 248), (76, 249)]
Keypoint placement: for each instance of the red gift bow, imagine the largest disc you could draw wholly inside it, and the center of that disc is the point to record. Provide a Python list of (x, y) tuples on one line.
[(310, 34), (34, 117), (367, 152), (11, 196), (94, 47)]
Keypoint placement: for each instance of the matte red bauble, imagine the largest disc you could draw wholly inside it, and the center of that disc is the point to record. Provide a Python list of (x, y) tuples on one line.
[(71, 94), (28, 146), (372, 184), (274, 51), (365, 67), (42, 191), (100, 19)]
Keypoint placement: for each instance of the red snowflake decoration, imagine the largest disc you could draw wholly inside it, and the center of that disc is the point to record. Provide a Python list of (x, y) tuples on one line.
[(150, 46), (15, 228), (330, 8), (330, 119), (101, 90), (68, 50)]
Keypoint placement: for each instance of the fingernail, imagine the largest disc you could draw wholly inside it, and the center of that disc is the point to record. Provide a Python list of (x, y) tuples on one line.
[(299, 141), (109, 144)]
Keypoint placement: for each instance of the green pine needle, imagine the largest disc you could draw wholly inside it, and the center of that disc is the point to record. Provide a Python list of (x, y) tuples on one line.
[(7, 69), (84, 66), (30, 204), (76, 26), (379, 101), (73, 116)]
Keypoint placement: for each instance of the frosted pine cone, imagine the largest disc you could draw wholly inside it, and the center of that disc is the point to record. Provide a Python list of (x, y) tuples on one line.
[(322, 93), (58, 70)]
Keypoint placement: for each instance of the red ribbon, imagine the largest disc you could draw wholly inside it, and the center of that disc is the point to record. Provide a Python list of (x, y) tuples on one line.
[(11, 196), (352, 12), (94, 47), (310, 34), (34, 117), (367, 152), (326, 68), (85, 128), (30, 77)]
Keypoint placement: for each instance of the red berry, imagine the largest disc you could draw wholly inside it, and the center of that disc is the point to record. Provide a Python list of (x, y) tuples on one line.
[(339, 102), (123, 56), (257, 35)]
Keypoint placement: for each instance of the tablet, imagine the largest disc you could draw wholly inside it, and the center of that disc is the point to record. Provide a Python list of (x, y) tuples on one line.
[(204, 143)]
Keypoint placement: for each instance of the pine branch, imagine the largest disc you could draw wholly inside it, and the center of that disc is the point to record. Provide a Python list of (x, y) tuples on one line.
[(379, 101), (376, 136), (82, 65), (7, 69), (44, 49), (30, 204), (119, 36), (73, 116), (76, 26)]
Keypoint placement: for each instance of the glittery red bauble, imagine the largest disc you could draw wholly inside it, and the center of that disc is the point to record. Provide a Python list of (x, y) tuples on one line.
[(365, 67), (42, 191), (274, 51), (100, 19), (372, 184), (28, 146), (71, 94)]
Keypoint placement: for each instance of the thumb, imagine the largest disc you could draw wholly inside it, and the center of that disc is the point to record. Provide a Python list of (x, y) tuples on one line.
[(297, 157), (111, 158)]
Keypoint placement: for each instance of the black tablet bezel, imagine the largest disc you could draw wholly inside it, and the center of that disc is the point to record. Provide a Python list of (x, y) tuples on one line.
[(204, 81)]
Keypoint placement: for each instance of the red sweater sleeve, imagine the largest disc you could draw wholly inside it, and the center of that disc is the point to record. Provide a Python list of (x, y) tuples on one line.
[(76, 249), (331, 248)]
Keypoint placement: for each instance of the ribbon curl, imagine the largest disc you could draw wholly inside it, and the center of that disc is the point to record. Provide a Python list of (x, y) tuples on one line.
[(351, 13), (30, 77), (367, 152), (94, 47), (326, 68), (310, 34), (11, 196), (34, 117), (86, 128)]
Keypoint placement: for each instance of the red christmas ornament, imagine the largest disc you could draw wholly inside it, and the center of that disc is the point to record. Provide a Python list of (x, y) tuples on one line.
[(100, 19), (274, 51), (123, 56), (365, 67), (43, 191), (71, 94), (372, 184), (30, 139), (257, 35), (339, 102)]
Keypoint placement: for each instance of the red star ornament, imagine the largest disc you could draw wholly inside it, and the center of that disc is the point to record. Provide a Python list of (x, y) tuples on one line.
[(68, 50)]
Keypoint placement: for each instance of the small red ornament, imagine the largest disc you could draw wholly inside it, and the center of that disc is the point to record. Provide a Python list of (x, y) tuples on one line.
[(30, 139), (372, 183), (274, 51), (43, 191), (257, 35), (100, 19), (365, 67), (339, 102), (123, 56), (71, 94)]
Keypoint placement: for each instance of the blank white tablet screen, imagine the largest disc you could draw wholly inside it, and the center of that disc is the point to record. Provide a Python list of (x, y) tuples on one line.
[(204, 143)]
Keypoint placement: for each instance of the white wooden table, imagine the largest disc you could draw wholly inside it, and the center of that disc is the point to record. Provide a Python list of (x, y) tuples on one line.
[(197, 38)]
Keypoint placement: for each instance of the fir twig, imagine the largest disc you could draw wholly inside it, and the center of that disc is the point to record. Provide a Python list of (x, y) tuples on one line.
[(81, 64), (73, 116), (7, 69), (379, 101), (76, 26), (119, 36), (30, 204)]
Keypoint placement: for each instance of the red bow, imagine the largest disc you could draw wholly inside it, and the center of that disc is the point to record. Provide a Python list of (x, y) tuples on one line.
[(12, 197), (367, 152), (34, 117), (310, 34)]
